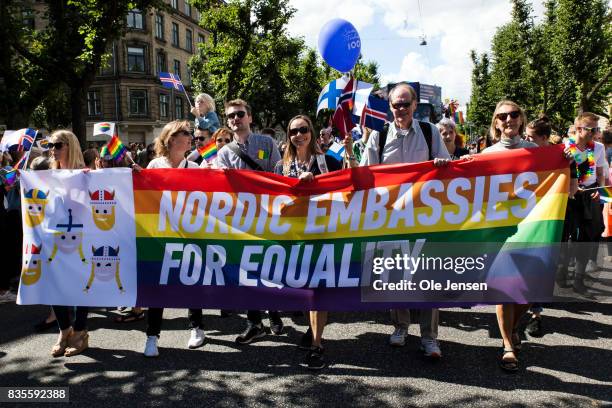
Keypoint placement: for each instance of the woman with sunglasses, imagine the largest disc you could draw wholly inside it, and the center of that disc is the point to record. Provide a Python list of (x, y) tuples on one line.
[(221, 137), (65, 154), (507, 126), (171, 145), (304, 160)]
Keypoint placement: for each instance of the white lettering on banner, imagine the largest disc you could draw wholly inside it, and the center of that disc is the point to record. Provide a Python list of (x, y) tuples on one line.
[(460, 201), (246, 265), (315, 212), (341, 214), (433, 203), (278, 204), (478, 199), (496, 197), (275, 255), (215, 261), (220, 206), (191, 275), (529, 196), (302, 278), (263, 214), (403, 207), (193, 215), (171, 211), (250, 201), (169, 262), (376, 212)]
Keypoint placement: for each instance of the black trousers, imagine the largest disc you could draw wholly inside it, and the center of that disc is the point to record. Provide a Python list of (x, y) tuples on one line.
[(254, 316), (62, 314), (155, 316)]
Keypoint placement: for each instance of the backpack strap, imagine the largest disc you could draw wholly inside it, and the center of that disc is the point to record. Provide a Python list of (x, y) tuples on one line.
[(382, 140), (426, 129), (233, 146), (322, 164)]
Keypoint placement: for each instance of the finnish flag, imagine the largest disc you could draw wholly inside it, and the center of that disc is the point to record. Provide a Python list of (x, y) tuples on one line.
[(328, 98)]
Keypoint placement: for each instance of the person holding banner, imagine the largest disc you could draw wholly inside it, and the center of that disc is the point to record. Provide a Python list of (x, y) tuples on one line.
[(65, 154), (507, 126), (204, 111), (171, 145), (303, 159), (255, 152), (408, 141)]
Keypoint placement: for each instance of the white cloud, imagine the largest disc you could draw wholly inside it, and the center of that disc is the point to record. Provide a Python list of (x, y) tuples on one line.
[(456, 26)]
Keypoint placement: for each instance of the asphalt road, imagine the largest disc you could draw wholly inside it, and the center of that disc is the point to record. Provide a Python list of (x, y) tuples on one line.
[(569, 366)]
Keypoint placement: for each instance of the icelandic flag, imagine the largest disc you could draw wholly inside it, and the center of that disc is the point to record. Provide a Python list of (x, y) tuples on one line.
[(328, 98), (336, 150), (20, 140), (374, 115), (362, 94), (342, 118), (169, 80)]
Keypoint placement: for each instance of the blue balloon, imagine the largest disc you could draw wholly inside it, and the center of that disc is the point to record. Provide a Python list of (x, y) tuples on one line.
[(339, 44)]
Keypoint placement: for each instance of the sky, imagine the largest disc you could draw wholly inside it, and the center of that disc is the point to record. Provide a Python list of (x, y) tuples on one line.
[(390, 32)]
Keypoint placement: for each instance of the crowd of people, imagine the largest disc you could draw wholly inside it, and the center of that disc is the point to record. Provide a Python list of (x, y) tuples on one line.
[(301, 154)]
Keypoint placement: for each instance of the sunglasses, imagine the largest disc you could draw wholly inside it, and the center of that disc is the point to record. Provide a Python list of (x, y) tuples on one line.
[(401, 105), (200, 138), (240, 114), (220, 140), (303, 130), (504, 116), (589, 129), (56, 145)]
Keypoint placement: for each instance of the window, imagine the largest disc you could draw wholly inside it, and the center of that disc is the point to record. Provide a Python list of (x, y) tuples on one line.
[(159, 26), (178, 108), (189, 40), (161, 63), (177, 67), (138, 102), (196, 15), (134, 19), (164, 105), (174, 4), (175, 35), (94, 105), (187, 8), (136, 59), (201, 39)]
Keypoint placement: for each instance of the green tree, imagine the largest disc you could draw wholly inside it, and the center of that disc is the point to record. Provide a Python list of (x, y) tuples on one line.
[(481, 104), (72, 46)]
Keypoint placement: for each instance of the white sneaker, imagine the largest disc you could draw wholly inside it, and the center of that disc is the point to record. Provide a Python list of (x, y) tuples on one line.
[(431, 348), (398, 338), (151, 347), (8, 297), (196, 339)]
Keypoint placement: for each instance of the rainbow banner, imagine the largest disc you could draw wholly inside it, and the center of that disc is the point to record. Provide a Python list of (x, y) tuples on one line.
[(483, 230)]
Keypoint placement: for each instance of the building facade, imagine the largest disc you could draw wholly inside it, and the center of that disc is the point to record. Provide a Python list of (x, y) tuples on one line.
[(127, 89)]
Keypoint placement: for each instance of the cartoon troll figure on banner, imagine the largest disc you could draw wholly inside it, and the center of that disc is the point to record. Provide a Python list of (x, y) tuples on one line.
[(31, 268), (104, 266), (69, 240), (103, 208), (35, 201)]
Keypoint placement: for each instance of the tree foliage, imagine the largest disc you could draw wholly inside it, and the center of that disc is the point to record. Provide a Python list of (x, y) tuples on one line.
[(558, 67)]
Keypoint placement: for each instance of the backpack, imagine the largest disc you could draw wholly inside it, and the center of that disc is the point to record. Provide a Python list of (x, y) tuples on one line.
[(382, 138)]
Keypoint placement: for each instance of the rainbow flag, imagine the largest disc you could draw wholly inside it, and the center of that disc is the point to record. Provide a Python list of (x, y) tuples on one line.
[(8, 175), (116, 148), (605, 194), (209, 151)]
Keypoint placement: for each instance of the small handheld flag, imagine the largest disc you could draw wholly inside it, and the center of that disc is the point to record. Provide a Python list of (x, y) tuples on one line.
[(8, 175), (169, 80), (116, 149), (330, 93), (336, 150), (342, 118), (104, 128), (209, 151), (20, 140)]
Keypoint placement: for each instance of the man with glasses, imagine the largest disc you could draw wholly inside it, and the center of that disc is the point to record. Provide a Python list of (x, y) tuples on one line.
[(584, 219), (408, 141), (254, 152), (201, 137)]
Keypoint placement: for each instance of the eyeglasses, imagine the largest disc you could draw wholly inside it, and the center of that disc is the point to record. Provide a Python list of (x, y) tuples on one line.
[(221, 140), (303, 130), (240, 114), (182, 133), (588, 129), (56, 145), (401, 105), (503, 116), (200, 138)]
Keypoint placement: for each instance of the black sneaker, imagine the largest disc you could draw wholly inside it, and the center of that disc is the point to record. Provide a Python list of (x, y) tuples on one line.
[(276, 325), (534, 327), (314, 359), (252, 332), (306, 341)]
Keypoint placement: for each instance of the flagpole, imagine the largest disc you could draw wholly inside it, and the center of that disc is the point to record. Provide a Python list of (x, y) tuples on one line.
[(594, 188)]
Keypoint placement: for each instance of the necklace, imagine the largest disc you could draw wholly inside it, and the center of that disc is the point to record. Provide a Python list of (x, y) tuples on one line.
[(579, 157), (303, 167)]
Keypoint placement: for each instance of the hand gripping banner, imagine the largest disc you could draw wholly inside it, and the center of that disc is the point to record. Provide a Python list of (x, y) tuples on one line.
[(482, 230)]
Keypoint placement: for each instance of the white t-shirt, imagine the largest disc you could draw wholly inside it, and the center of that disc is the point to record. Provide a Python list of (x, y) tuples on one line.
[(164, 163), (599, 155)]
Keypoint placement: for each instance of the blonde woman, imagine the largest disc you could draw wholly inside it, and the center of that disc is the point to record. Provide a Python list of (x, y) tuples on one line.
[(65, 154), (170, 147), (204, 112)]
